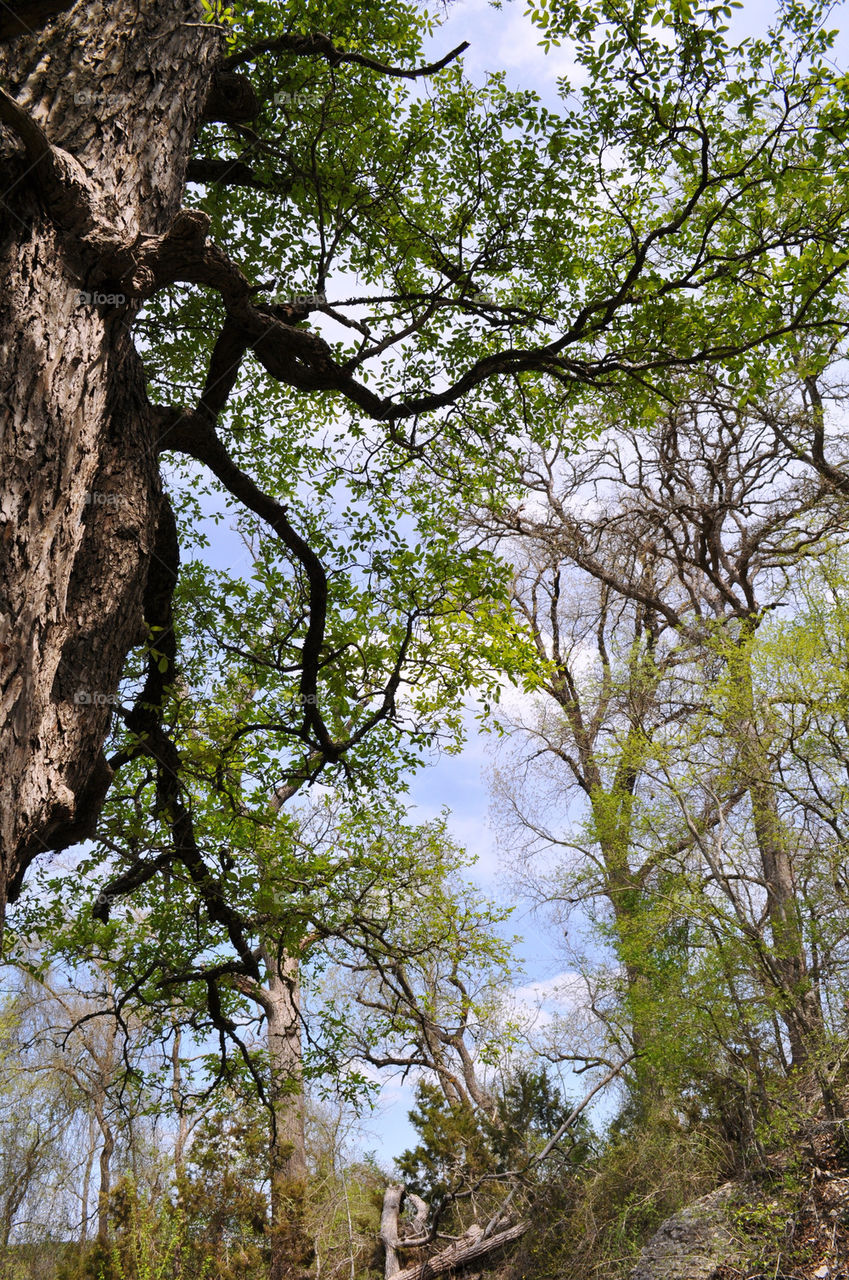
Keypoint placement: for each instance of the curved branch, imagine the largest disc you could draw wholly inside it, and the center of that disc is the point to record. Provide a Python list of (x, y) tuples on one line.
[(224, 365), (319, 45), (190, 433), (35, 140)]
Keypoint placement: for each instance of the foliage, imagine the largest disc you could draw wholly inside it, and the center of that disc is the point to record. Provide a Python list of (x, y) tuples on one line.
[(600, 1219), (466, 1158), (222, 1194)]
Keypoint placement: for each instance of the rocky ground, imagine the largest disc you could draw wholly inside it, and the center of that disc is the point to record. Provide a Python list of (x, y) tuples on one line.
[(791, 1222), (814, 1241)]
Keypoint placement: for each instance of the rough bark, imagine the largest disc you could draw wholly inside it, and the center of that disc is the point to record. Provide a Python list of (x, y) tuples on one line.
[(100, 111)]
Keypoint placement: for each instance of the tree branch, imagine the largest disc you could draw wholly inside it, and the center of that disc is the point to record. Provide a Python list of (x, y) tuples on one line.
[(225, 173), (189, 433), (318, 45)]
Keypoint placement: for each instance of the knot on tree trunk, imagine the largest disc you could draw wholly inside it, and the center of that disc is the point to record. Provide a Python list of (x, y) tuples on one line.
[(139, 269)]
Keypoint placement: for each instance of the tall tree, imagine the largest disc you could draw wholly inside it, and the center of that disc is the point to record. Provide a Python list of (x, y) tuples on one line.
[(647, 567), (349, 258), (361, 944)]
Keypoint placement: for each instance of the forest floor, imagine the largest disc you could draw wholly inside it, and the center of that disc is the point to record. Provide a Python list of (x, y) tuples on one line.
[(815, 1245)]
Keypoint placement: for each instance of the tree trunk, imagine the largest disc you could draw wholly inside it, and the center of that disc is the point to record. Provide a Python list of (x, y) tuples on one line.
[(100, 113), (105, 1066), (612, 811), (290, 1249), (105, 1189), (389, 1238), (800, 1011), (177, 1099), (86, 1187)]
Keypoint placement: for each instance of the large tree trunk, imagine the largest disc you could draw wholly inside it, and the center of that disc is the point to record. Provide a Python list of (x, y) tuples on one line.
[(100, 112)]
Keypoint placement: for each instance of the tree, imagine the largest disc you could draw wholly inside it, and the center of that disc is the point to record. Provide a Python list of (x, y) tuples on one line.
[(34, 1116), (102, 1066), (223, 1190), (119, 286), (361, 944), (646, 568), (463, 1154), (517, 1129), (75, 1114)]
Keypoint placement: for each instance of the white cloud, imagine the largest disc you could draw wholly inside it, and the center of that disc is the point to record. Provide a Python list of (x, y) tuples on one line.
[(505, 39), (544, 1001)]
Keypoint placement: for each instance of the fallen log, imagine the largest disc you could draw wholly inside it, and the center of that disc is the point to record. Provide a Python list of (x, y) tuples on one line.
[(473, 1245)]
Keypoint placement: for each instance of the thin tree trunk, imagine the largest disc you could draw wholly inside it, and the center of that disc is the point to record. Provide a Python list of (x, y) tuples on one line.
[(105, 1188), (177, 1099), (290, 1248), (89, 1165), (106, 1067)]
